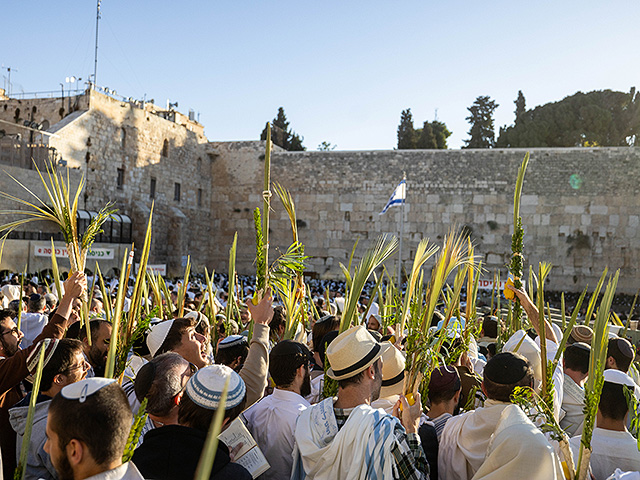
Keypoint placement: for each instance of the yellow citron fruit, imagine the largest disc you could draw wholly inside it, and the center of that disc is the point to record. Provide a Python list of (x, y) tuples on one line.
[(410, 399), (255, 300), (509, 294)]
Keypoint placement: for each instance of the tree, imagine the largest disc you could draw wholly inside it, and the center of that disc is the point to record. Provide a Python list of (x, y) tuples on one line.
[(520, 106), (326, 147), (481, 120), (432, 135), (406, 132), (281, 135), (603, 118)]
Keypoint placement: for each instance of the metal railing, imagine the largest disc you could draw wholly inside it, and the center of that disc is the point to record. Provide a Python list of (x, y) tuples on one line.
[(47, 94)]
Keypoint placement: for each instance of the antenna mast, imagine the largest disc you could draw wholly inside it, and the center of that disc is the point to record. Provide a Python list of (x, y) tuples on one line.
[(95, 62)]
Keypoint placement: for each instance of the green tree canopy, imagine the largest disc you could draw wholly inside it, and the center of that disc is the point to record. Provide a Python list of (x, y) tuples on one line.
[(406, 132), (282, 135), (481, 120), (598, 118), (326, 146), (431, 135), (521, 106)]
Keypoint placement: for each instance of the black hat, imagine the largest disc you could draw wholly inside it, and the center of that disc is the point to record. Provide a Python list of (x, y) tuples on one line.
[(507, 368)]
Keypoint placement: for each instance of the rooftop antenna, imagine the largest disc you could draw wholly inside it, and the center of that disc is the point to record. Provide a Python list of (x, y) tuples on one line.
[(95, 61), (9, 69), (436, 115)]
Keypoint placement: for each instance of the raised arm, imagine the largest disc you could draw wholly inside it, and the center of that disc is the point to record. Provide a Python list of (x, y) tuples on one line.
[(533, 314)]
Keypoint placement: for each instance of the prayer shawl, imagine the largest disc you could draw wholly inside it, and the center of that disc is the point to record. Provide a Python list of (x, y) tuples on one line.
[(360, 450), (465, 440), (573, 407), (518, 449)]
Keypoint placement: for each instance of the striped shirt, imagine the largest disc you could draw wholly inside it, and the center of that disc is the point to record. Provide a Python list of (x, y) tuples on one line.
[(440, 422)]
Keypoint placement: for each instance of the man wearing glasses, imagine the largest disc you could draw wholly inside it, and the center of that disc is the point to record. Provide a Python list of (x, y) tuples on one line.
[(13, 362)]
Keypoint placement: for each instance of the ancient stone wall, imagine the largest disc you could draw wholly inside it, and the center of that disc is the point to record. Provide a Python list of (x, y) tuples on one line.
[(123, 150), (580, 207), (44, 111)]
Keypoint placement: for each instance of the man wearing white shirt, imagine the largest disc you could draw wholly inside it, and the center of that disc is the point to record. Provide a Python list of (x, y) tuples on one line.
[(576, 371), (34, 319), (272, 420), (612, 446)]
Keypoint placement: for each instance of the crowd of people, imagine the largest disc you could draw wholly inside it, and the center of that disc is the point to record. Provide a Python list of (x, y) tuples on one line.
[(467, 427)]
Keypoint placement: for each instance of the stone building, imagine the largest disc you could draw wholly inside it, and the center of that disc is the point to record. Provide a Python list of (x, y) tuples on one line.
[(130, 154), (580, 206)]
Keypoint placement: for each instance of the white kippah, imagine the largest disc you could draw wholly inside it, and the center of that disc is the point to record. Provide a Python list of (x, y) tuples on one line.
[(612, 375), (157, 335), (206, 385), (85, 388)]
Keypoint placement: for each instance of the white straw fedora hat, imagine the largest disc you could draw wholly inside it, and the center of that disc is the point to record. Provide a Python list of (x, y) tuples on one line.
[(352, 352), (393, 367)]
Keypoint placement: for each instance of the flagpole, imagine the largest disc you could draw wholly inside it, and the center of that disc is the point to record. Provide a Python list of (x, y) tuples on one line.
[(404, 178)]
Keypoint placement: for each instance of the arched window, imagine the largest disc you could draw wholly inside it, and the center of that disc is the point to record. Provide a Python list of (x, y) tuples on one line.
[(165, 148)]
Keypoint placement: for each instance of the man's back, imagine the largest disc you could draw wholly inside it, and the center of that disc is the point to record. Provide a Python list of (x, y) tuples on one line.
[(518, 449), (610, 450), (31, 325), (172, 453), (355, 443), (573, 407), (465, 439)]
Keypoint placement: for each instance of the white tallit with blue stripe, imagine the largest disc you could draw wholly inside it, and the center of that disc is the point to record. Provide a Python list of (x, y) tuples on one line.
[(360, 450)]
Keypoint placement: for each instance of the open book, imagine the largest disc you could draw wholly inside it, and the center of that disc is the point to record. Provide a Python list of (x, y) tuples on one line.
[(250, 456)]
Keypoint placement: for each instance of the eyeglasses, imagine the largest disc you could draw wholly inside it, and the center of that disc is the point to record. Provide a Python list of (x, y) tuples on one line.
[(14, 330), (84, 366)]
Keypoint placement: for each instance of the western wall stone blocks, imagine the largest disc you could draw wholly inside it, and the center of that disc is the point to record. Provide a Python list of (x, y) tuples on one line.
[(574, 209), (598, 209)]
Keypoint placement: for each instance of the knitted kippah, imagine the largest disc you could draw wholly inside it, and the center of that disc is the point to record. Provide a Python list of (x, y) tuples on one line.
[(582, 333), (206, 385), (49, 345), (506, 368)]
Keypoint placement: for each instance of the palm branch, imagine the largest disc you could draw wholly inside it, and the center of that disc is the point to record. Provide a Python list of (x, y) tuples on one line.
[(595, 380), (372, 259)]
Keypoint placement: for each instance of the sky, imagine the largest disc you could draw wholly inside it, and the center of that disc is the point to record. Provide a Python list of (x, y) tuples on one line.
[(342, 70)]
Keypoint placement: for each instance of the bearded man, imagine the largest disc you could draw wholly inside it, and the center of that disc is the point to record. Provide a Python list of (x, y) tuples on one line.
[(346, 437)]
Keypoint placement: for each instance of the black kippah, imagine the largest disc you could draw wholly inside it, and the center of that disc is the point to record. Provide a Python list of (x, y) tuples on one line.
[(506, 368), (290, 348)]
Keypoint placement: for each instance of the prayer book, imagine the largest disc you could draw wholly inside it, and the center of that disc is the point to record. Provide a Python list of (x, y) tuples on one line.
[(250, 456)]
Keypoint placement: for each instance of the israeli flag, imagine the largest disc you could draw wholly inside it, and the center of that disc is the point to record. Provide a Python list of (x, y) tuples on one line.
[(398, 196)]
